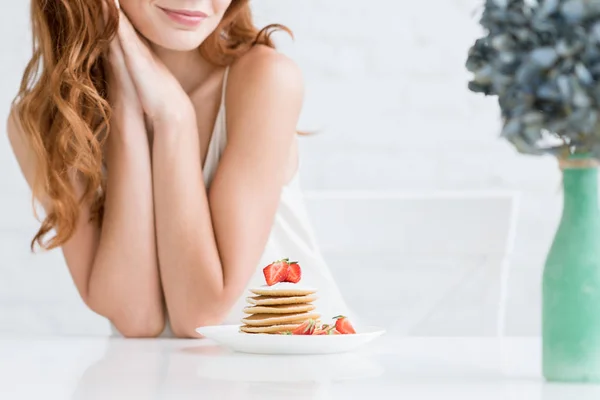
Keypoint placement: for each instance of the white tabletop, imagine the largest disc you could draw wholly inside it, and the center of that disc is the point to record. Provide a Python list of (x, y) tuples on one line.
[(78, 368)]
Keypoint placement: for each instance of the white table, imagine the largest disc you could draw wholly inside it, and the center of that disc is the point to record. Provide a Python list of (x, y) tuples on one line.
[(77, 368)]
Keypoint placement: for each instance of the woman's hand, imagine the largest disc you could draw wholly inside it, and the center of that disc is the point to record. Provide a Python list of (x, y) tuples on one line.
[(161, 96), (122, 93)]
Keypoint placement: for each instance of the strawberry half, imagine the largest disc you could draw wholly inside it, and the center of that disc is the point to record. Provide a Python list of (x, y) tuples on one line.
[(343, 325), (294, 272), (276, 272), (307, 328)]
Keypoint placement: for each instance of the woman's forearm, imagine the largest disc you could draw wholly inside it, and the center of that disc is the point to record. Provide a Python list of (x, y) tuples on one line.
[(190, 264), (125, 283)]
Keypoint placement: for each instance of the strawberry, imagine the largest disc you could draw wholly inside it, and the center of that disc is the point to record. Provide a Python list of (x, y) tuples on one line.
[(276, 272), (307, 328), (343, 325), (294, 272)]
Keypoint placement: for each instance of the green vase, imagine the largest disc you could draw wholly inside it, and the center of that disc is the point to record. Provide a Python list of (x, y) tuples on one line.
[(571, 283)]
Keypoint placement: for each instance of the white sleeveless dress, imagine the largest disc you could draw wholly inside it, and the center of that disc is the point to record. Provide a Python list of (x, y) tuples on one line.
[(291, 237)]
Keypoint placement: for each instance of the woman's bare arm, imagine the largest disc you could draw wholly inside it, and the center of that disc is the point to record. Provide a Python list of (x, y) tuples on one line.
[(209, 244), (114, 267)]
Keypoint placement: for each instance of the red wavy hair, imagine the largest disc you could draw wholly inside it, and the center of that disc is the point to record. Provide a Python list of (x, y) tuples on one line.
[(62, 102)]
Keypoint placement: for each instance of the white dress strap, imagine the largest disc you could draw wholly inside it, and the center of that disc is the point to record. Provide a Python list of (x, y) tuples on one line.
[(220, 129), (224, 88), (218, 139)]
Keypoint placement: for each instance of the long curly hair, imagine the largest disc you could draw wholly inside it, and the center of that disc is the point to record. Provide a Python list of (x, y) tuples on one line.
[(62, 103)]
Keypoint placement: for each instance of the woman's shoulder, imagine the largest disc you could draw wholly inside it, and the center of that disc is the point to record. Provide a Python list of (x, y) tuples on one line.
[(264, 69), (264, 98), (22, 151), (13, 129), (26, 156)]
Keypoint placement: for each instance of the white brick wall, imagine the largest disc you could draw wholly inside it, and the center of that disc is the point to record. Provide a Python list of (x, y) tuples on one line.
[(387, 86)]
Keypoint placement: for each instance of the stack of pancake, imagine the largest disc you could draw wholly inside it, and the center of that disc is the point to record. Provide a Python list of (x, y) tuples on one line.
[(278, 309)]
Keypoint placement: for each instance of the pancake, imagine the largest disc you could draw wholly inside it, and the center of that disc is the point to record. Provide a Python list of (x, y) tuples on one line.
[(275, 300), (278, 319), (279, 309), (269, 329)]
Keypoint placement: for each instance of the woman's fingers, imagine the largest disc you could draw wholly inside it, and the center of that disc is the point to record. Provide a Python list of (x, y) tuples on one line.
[(119, 72), (133, 45), (104, 11), (105, 8), (115, 54), (117, 57), (126, 29), (137, 56), (150, 77)]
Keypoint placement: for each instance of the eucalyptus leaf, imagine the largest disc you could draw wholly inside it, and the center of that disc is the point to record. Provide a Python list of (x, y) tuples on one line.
[(544, 56), (547, 7), (541, 59)]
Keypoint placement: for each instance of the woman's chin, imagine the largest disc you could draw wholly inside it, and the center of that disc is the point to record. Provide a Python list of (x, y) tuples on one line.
[(179, 41)]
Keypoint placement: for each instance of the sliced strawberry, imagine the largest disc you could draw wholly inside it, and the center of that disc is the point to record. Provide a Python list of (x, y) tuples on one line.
[(320, 332), (276, 272), (343, 325), (294, 272), (307, 328)]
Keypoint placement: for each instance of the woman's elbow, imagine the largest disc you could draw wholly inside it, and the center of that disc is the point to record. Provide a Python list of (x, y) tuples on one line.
[(150, 328), (210, 308), (134, 323), (140, 319)]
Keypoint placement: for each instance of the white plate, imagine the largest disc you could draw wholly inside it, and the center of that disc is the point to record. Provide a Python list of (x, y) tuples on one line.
[(231, 337)]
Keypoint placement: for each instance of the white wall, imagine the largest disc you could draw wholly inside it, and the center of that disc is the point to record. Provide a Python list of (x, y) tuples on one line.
[(387, 79), (386, 83)]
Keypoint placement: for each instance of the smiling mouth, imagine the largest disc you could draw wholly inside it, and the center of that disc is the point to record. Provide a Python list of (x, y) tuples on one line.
[(185, 17)]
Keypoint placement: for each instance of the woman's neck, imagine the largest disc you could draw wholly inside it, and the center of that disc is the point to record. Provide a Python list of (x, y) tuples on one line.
[(188, 67)]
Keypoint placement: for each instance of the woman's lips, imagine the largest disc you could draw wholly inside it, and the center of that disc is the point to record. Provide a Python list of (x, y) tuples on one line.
[(185, 17)]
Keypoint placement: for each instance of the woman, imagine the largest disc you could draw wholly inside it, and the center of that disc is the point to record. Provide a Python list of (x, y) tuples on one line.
[(160, 138)]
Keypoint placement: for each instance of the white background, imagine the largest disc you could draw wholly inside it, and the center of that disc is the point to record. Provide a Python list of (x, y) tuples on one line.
[(387, 87)]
